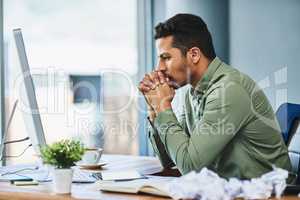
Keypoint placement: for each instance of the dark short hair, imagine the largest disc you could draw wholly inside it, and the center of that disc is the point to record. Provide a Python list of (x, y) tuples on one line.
[(188, 31)]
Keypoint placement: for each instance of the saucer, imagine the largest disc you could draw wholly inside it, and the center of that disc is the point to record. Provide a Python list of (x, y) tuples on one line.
[(92, 166)]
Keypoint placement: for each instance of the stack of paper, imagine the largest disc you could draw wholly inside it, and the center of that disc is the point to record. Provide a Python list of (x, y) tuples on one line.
[(120, 175)]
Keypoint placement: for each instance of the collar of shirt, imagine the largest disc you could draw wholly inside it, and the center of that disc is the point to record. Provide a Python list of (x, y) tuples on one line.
[(206, 78)]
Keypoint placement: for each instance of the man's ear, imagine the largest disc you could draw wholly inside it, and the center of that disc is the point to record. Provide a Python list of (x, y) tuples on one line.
[(195, 54)]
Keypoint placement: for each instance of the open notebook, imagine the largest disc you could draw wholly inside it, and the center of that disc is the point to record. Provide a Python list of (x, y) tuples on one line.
[(150, 185)]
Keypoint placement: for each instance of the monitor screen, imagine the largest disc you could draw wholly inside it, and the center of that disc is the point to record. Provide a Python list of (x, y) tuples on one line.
[(27, 99)]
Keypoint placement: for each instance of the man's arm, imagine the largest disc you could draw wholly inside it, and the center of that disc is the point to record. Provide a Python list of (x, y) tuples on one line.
[(221, 120), (149, 82), (158, 147), (156, 141)]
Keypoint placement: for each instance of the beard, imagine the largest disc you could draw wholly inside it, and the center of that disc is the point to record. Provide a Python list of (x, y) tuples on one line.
[(181, 81), (173, 83)]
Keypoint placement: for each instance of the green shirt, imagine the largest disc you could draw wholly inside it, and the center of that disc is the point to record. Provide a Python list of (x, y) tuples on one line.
[(228, 126)]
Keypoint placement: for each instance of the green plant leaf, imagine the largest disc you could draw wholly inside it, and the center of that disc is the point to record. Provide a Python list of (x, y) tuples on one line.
[(63, 154)]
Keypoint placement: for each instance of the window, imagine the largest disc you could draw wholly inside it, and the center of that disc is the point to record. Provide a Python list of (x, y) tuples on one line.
[(71, 45)]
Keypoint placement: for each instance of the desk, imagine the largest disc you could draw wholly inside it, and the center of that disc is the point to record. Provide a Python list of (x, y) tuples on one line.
[(85, 191)]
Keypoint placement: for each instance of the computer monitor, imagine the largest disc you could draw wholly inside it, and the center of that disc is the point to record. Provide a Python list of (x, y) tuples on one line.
[(32, 118)]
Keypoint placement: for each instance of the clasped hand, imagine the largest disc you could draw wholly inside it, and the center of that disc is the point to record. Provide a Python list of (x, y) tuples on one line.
[(158, 93)]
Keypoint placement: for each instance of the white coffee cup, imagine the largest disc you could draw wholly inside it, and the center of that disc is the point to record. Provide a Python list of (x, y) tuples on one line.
[(91, 156)]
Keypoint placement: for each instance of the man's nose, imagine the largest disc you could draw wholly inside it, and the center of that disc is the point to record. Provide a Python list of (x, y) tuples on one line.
[(160, 66)]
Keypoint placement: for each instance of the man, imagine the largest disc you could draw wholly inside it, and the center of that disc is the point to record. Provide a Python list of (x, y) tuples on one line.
[(228, 125)]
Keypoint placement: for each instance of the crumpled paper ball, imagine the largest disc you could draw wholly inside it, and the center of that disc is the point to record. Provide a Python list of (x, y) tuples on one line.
[(207, 185)]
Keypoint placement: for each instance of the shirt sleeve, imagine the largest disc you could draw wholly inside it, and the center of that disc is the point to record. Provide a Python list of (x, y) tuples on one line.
[(226, 110), (182, 120), (158, 147)]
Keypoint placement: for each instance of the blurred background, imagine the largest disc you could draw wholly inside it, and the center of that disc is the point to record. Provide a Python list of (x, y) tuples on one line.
[(87, 58)]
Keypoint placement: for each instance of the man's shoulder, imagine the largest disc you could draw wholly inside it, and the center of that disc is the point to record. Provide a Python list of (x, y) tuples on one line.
[(228, 75)]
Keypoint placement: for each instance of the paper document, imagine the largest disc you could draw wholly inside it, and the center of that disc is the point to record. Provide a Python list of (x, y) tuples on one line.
[(17, 172), (155, 186), (121, 175)]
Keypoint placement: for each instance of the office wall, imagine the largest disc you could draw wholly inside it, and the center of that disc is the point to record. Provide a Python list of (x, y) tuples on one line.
[(265, 44)]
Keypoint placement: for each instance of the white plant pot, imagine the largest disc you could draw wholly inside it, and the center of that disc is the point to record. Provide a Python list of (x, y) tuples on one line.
[(62, 180)]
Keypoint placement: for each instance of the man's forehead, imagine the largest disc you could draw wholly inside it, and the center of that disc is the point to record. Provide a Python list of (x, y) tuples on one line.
[(164, 45)]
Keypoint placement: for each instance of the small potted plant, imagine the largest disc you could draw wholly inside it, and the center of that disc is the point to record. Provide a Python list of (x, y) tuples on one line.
[(62, 155)]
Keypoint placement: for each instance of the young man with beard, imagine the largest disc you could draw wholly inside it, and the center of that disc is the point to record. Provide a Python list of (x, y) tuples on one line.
[(228, 124)]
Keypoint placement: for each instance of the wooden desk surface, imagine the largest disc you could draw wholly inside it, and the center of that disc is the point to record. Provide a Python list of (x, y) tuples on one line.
[(86, 191)]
